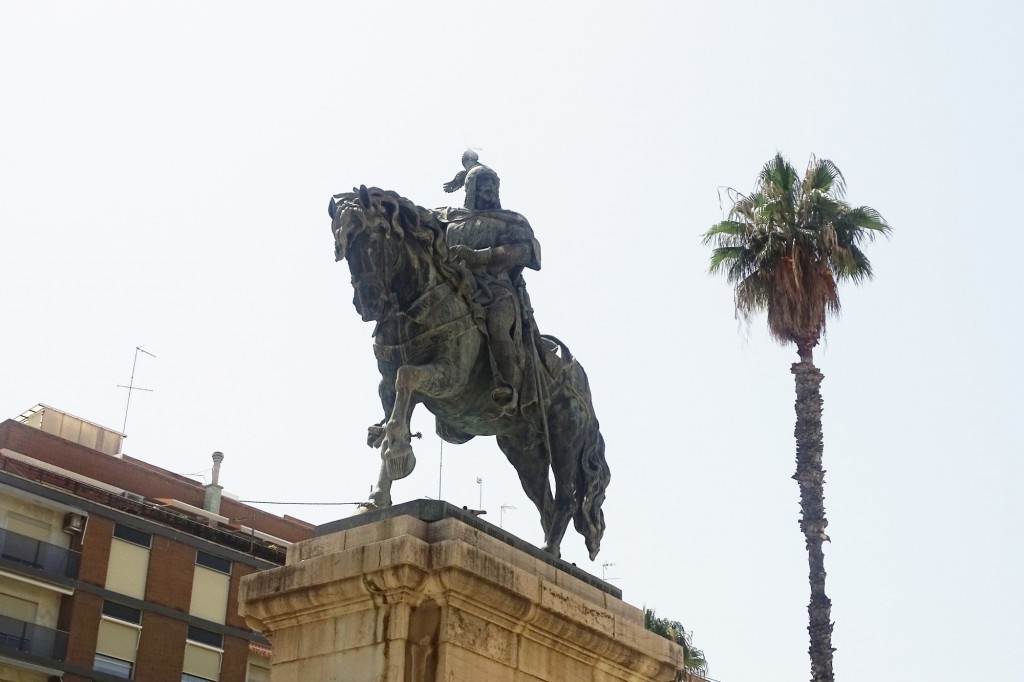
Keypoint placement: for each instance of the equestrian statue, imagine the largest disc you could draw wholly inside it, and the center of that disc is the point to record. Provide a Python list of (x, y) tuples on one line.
[(455, 331)]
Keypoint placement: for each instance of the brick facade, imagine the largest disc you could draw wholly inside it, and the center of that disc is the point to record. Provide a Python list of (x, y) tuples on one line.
[(171, 567), (96, 550), (233, 619), (236, 659), (161, 648), (175, 536), (83, 627)]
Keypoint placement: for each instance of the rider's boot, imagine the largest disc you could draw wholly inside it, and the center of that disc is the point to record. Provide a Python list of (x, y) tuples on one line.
[(505, 395), (507, 398)]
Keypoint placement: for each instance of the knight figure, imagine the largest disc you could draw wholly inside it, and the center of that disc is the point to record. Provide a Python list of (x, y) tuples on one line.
[(454, 331), (496, 245)]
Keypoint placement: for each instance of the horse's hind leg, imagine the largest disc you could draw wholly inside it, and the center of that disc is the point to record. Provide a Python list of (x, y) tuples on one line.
[(565, 438), (531, 463), (564, 502)]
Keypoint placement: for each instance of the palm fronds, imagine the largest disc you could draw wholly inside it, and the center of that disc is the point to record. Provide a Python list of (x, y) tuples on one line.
[(787, 244), (694, 661)]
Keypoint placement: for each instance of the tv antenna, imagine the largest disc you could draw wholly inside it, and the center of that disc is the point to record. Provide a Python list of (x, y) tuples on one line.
[(604, 571), (131, 385), (501, 521)]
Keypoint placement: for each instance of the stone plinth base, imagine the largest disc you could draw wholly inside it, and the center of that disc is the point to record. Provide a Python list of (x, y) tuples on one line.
[(433, 596)]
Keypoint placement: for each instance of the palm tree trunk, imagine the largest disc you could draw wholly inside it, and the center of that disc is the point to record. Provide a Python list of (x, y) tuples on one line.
[(811, 477)]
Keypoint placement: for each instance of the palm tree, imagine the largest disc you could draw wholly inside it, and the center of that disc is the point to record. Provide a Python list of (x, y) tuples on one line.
[(784, 247), (695, 665)]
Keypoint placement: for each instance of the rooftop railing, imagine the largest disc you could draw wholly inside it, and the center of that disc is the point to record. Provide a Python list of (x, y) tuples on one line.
[(244, 542)]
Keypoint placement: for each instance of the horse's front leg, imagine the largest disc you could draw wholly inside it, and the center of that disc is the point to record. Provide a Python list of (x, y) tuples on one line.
[(411, 382), (386, 391), (381, 495)]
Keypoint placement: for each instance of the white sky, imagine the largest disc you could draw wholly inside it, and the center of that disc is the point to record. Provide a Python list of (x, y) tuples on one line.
[(164, 176)]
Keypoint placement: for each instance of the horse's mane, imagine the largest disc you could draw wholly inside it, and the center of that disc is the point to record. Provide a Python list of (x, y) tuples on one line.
[(408, 221)]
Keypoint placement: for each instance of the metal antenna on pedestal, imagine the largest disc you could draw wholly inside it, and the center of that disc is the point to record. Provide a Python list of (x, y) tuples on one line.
[(131, 385), (501, 521)]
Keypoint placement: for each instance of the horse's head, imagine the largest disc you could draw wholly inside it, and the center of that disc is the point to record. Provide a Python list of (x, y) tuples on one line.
[(387, 247), (361, 236)]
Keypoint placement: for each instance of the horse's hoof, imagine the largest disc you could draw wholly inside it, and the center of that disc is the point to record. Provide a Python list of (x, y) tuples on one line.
[(376, 501), (399, 464), (375, 436)]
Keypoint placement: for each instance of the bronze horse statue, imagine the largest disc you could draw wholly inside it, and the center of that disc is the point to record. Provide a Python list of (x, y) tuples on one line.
[(431, 349)]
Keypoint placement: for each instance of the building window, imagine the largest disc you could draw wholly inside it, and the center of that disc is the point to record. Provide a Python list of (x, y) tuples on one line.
[(37, 529), (259, 669), (116, 647), (185, 677), (18, 608), (17, 625), (214, 562), (122, 612), (211, 586), (128, 564), (133, 535), (206, 637), (113, 666), (201, 662)]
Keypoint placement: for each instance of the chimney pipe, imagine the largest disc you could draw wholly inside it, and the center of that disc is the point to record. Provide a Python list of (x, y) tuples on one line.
[(211, 500), (218, 457)]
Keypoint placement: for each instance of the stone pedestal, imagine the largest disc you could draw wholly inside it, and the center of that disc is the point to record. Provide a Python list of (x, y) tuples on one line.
[(425, 592)]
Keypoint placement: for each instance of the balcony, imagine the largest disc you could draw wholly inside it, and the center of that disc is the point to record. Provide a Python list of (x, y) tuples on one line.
[(36, 554), (32, 640)]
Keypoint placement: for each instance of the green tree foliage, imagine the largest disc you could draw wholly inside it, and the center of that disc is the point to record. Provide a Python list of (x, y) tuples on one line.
[(788, 243), (693, 658)]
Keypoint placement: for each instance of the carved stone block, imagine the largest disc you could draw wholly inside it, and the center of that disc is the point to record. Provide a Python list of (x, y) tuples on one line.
[(405, 599)]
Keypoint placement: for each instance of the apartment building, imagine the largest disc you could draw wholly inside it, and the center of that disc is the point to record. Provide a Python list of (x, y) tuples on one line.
[(113, 569)]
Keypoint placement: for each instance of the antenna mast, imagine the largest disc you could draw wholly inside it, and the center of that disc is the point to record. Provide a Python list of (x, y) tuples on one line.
[(131, 385), (440, 470)]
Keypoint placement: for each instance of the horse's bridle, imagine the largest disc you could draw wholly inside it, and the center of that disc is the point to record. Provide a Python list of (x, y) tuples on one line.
[(379, 273)]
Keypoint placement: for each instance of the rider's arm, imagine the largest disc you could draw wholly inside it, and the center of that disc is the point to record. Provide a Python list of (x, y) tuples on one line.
[(504, 257)]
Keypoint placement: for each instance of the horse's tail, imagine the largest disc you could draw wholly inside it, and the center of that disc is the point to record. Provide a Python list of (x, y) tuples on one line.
[(594, 477)]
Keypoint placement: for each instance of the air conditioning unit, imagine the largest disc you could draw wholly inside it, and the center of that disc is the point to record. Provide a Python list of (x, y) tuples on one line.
[(134, 497), (74, 523)]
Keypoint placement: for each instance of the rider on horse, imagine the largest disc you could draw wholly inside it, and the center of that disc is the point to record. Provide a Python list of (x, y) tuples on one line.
[(496, 245)]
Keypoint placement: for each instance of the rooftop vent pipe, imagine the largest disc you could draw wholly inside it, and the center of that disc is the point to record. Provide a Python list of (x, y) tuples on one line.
[(211, 500)]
